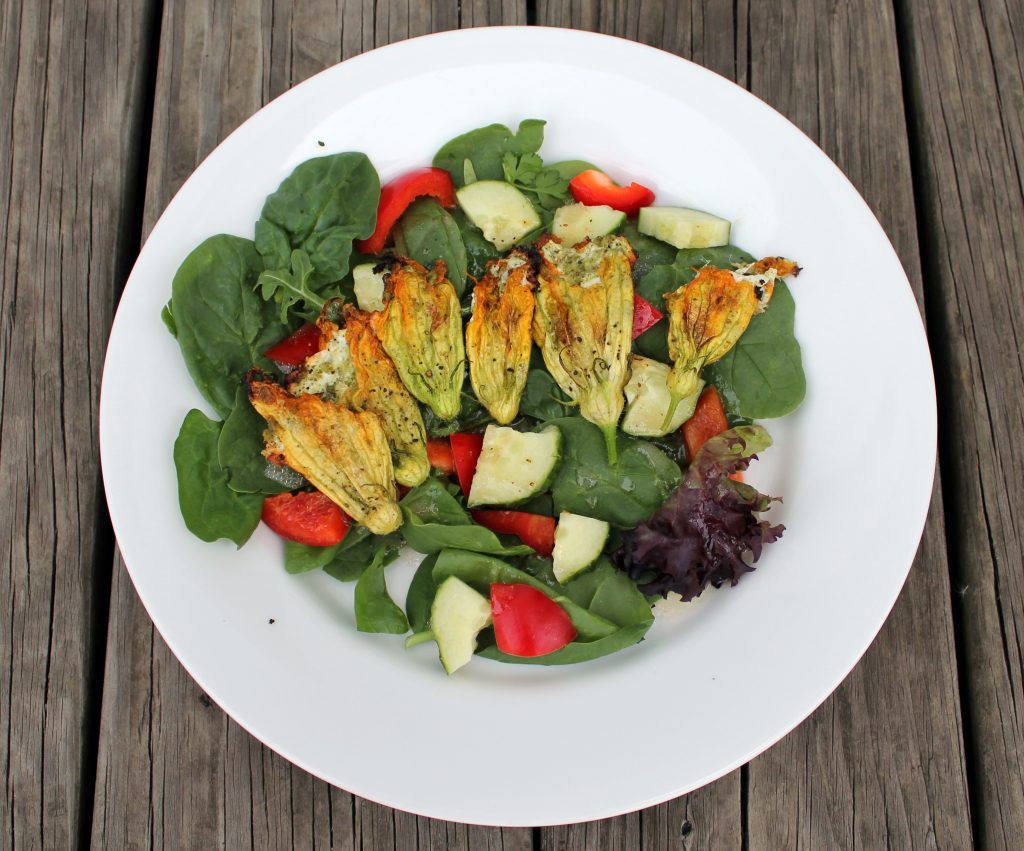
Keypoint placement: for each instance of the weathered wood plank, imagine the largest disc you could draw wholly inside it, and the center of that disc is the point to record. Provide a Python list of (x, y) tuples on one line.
[(967, 108), (71, 102), (881, 762), (174, 771)]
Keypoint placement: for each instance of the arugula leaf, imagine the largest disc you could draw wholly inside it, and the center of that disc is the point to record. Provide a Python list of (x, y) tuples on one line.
[(287, 289), (223, 325), (426, 232), (375, 610), (210, 509), (485, 147)]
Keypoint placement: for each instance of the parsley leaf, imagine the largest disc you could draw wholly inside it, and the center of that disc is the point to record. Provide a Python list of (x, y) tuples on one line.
[(527, 173)]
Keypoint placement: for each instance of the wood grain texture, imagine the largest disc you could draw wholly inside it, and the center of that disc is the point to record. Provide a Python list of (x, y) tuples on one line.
[(967, 107), (881, 763), (70, 112), (174, 771)]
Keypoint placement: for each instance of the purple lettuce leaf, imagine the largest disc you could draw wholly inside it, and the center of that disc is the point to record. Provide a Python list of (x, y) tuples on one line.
[(708, 531)]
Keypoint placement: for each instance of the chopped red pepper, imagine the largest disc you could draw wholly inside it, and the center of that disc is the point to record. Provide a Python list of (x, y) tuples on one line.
[(306, 518), (708, 420), (534, 530), (527, 622), (398, 194), (594, 188), (466, 450), (645, 315), (293, 350), (439, 454)]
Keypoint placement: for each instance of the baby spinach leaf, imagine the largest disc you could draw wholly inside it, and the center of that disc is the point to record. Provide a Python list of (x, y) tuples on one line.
[(301, 558), (357, 551), (624, 493), (210, 508), (472, 417), (568, 169), (485, 147), (650, 252), (321, 207), (479, 249), (223, 325), (421, 595), (167, 317), (288, 288), (577, 651), (426, 232), (375, 610), (762, 376), (481, 571), (543, 399), (240, 449)]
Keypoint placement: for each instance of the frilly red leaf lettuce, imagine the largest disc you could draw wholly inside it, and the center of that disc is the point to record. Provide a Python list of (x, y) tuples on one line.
[(708, 531)]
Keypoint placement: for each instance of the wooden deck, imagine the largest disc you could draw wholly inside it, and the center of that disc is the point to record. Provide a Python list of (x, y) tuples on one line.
[(106, 742)]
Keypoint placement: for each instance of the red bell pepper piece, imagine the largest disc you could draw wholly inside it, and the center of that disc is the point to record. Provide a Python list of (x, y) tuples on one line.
[(398, 194), (708, 420), (594, 188), (466, 451), (293, 350), (645, 315), (534, 530), (306, 518), (527, 622), (439, 454)]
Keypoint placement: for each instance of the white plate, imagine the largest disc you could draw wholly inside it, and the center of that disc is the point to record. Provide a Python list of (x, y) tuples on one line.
[(513, 745)]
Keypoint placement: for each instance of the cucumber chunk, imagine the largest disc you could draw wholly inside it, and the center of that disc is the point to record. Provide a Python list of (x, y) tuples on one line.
[(501, 211), (648, 399), (574, 223), (579, 542), (684, 228), (369, 287), (514, 465), (457, 615)]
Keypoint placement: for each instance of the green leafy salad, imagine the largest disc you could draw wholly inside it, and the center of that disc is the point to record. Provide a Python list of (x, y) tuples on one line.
[(544, 381)]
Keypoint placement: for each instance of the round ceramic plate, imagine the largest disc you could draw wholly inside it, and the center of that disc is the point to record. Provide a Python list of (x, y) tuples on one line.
[(710, 687)]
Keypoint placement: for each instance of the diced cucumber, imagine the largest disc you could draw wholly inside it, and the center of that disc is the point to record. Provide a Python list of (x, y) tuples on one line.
[(457, 615), (579, 542), (684, 228), (574, 223), (514, 465), (369, 287), (501, 211), (648, 399)]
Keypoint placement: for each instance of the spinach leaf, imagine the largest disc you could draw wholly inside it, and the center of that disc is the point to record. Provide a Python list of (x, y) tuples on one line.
[(167, 317), (543, 399), (481, 571), (426, 232), (375, 610), (301, 558), (568, 169), (321, 207), (577, 651), (762, 376), (485, 148), (624, 493), (421, 595), (472, 416), (355, 554), (240, 449), (479, 249), (223, 325), (434, 520), (210, 508), (650, 252)]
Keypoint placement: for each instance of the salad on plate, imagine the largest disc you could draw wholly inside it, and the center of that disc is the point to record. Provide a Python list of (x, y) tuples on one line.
[(544, 381)]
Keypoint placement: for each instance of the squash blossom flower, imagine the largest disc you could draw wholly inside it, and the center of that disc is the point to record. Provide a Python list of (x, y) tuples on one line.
[(583, 325), (420, 328), (379, 389), (498, 339), (710, 313), (344, 454)]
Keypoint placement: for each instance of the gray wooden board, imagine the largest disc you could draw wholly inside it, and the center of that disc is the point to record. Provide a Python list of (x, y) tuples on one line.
[(174, 772), (966, 106), (70, 106)]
